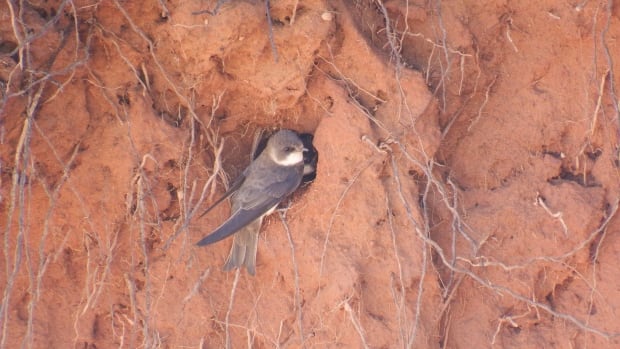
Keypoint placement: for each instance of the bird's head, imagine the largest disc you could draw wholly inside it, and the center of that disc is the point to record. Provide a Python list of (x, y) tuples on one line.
[(285, 148)]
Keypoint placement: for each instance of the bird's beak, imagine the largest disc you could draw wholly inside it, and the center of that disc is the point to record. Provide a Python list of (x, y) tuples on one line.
[(304, 149)]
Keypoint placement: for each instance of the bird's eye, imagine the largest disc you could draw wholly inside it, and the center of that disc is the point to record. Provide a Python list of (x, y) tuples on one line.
[(288, 149)]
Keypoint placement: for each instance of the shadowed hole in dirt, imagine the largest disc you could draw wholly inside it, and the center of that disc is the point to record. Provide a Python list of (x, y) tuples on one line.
[(174, 120), (96, 330), (593, 310), (123, 99), (514, 329), (585, 180), (7, 47), (558, 290), (549, 299), (554, 154), (219, 63), (595, 154), (43, 12), (171, 213)]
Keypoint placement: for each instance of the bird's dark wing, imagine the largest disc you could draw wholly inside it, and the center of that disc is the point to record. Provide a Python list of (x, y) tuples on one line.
[(255, 198), (233, 188), (239, 219), (280, 185)]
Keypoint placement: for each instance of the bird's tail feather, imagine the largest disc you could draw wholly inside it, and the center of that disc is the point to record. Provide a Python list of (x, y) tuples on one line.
[(243, 250)]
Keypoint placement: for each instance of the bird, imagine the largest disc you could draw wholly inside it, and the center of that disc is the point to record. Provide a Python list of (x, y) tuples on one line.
[(311, 155), (273, 175)]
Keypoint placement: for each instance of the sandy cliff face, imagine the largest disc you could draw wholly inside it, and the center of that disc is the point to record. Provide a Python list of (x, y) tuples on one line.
[(466, 193)]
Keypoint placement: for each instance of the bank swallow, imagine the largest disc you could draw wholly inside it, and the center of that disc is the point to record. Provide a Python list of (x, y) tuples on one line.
[(311, 155), (271, 177)]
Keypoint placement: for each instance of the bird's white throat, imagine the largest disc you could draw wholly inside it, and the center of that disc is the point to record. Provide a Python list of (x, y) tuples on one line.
[(290, 159)]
